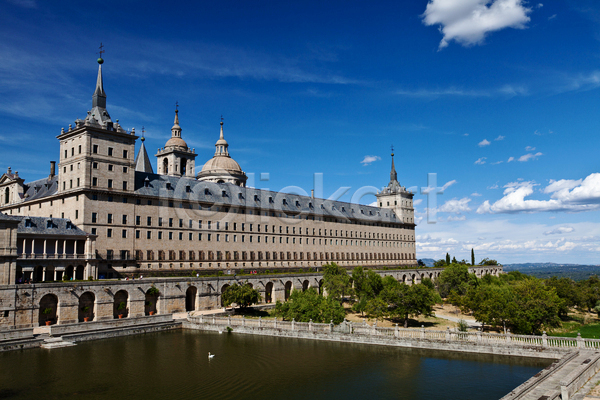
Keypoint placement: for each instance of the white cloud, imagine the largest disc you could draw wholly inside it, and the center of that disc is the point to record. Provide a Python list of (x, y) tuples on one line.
[(374, 204), (469, 21), (456, 206), (456, 218), (567, 195), (465, 134), (540, 5), (481, 160), (529, 156), (550, 18), (497, 162), (510, 159), (417, 202), (483, 143), (561, 230), (475, 194), (529, 148), (448, 184), (494, 186), (500, 137), (369, 159)]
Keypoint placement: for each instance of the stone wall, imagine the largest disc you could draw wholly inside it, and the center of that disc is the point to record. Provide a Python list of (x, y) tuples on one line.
[(22, 306)]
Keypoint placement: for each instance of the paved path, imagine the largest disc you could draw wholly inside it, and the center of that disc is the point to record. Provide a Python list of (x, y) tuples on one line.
[(472, 323)]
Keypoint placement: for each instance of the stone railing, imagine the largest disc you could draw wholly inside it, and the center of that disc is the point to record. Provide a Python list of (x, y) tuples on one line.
[(477, 338)]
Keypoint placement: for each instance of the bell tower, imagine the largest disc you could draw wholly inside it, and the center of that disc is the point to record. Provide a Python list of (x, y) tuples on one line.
[(397, 198), (176, 159)]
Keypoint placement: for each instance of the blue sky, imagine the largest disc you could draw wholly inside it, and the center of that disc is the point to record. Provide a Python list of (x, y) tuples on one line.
[(497, 97)]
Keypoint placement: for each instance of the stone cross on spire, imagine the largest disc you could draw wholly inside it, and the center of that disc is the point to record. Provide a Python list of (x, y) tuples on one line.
[(393, 174)]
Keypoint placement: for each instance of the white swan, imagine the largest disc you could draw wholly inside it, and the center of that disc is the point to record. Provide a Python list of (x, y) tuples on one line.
[(210, 355)]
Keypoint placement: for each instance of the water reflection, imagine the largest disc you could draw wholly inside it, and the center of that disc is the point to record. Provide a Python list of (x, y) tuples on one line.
[(175, 365)]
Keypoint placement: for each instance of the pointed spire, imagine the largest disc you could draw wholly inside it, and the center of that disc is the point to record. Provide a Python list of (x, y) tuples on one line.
[(99, 97), (222, 145), (393, 174), (142, 161), (176, 129)]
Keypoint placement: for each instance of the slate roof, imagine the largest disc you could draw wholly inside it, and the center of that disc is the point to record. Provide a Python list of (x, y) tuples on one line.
[(171, 188), (47, 226), (40, 188), (142, 161)]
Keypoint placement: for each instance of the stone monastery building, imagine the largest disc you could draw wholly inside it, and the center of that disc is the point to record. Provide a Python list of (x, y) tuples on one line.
[(174, 220)]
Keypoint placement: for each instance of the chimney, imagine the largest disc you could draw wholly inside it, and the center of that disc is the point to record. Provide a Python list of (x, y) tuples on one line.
[(52, 169), (312, 193)]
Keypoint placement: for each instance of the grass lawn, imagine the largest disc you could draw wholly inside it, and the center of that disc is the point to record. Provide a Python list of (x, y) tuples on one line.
[(590, 331)]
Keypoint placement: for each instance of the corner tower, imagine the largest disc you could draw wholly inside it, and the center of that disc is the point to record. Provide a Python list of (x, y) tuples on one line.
[(176, 159), (397, 198), (96, 153)]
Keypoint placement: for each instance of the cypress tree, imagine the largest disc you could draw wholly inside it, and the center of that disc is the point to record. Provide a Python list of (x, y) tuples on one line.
[(472, 257), (447, 258)]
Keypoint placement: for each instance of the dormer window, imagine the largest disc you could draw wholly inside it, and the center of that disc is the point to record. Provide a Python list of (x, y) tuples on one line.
[(206, 192), (256, 198), (188, 189), (284, 202), (168, 186), (297, 203), (240, 196), (344, 209), (310, 205), (322, 207), (271, 200), (28, 223), (362, 211), (69, 225), (146, 182), (49, 224), (224, 193)]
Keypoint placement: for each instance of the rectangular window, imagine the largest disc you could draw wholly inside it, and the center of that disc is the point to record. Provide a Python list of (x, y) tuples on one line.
[(218, 237), (159, 221), (138, 220), (94, 217), (149, 221), (170, 222), (78, 182), (180, 223), (93, 231), (110, 183), (95, 149), (124, 185), (124, 233), (137, 234), (208, 237), (94, 181), (109, 219), (110, 151), (109, 232), (160, 234), (95, 165), (208, 224), (149, 235), (190, 224), (124, 170), (199, 224), (110, 167), (170, 235), (124, 153), (180, 235), (190, 235), (124, 219)]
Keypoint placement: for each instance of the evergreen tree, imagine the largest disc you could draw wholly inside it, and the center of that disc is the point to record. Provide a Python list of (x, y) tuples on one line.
[(472, 257), (448, 258)]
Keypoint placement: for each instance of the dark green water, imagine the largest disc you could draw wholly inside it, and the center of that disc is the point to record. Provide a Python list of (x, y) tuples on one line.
[(175, 365)]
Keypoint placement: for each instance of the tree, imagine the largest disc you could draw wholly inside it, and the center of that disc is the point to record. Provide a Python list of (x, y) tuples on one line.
[(420, 263), (336, 281), (439, 263), (454, 277), (472, 256), (307, 305), (243, 295), (566, 289), (535, 306), (488, 261), (447, 258), (454, 260), (491, 304), (408, 301), (367, 285)]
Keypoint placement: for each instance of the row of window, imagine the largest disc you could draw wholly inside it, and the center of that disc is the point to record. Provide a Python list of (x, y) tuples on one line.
[(110, 151), (172, 255), (256, 239), (209, 225), (109, 183)]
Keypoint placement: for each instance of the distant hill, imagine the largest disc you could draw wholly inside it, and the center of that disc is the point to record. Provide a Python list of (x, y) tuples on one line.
[(577, 272), (428, 261)]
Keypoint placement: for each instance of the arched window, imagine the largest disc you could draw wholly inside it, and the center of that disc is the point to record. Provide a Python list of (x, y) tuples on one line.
[(165, 166), (6, 196), (183, 166)]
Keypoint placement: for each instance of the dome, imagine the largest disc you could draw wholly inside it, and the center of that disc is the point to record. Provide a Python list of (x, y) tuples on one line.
[(222, 163), (176, 141)]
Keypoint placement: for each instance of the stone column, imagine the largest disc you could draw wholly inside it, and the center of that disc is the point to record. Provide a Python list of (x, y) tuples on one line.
[(24, 243), (54, 272), (65, 248), (44, 274), (45, 254), (55, 247), (32, 248)]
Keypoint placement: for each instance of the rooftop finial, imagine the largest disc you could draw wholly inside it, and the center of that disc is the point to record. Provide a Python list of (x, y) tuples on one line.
[(143, 131), (221, 136), (393, 174), (102, 51)]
